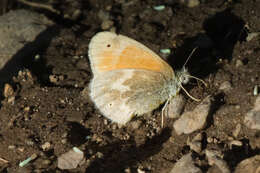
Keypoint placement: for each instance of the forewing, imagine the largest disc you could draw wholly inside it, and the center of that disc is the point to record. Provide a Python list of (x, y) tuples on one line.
[(109, 51)]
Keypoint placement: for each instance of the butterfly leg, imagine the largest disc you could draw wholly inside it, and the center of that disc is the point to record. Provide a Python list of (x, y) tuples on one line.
[(164, 110)]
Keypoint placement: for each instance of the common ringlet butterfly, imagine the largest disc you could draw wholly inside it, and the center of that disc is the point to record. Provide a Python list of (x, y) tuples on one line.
[(129, 79)]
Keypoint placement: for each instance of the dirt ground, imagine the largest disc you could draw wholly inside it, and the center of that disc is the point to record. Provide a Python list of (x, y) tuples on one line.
[(48, 106)]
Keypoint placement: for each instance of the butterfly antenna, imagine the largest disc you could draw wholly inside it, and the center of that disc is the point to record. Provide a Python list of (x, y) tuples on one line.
[(192, 52), (202, 81), (193, 98)]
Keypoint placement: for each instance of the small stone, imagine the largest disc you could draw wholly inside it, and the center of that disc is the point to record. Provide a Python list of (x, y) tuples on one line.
[(8, 90), (255, 91), (195, 143), (252, 118), (127, 170), (236, 131), (254, 141), (136, 124), (190, 3), (46, 162), (159, 7), (64, 141), (140, 170), (165, 51), (252, 35), (26, 109), (105, 122), (210, 139), (175, 107), (114, 126), (11, 99), (103, 15), (250, 165), (185, 165), (107, 24), (71, 159), (193, 120), (235, 143), (53, 79), (46, 146), (29, 142), (225, 86), (216, 158), (11, 147), (239, 63), (99, 155)]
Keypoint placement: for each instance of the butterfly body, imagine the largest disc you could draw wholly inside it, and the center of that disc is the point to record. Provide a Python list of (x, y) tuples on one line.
[(128, 78)]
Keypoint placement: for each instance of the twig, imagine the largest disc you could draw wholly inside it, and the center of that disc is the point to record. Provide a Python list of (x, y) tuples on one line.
[(38, 5), (3, 160)]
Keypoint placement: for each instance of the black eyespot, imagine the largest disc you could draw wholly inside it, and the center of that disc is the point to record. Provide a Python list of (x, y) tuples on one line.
[(108, 45)]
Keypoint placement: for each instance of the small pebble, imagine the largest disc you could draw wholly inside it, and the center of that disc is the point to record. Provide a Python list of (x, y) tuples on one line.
[(185, 165), (127, 170), (195, 143), (159, 7), (70, 159), (255, 92), (210, 139), (239, 63), (250, 165), (107, 24), (193, 120), (190, 3), (103, 15), (11, 147), (99, 155), (64, 141), (136, 124), (46, 162), (250, 36), (252, 117), (105, 122), (46, 146), (235, 143), (254, 141), (216, 158), (8, 90), (140, 170), (53, 79), (165, 51), (225, 86), (176, 106), (236, 131)]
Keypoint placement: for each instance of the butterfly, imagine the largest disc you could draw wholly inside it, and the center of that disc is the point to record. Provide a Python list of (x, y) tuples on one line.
[(129, 79)]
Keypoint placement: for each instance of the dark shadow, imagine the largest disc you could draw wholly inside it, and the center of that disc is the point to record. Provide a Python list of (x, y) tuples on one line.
[(118, 156), (25, 58), (225, 29), (238, 153), (217, 102), (77, 134)]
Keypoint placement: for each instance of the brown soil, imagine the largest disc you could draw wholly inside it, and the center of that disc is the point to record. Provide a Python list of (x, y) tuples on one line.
[(53, 111)]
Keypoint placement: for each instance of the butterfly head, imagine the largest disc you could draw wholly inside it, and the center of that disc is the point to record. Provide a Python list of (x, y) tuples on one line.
[(183, 76)]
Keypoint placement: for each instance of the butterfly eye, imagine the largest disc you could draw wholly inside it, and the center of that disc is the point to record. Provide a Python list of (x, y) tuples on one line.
[(108, 45)]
